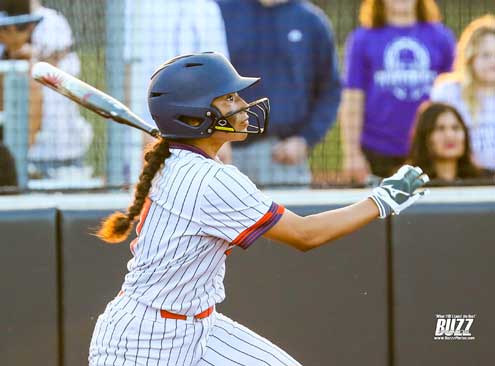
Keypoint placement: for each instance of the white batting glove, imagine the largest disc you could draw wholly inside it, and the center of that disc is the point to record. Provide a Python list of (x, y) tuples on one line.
[(397, 192)]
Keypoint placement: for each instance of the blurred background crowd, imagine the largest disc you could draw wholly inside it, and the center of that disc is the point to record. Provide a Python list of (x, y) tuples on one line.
[(357, 88)]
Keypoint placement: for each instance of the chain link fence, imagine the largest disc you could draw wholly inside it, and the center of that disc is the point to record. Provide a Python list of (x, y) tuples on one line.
[(115, 43)]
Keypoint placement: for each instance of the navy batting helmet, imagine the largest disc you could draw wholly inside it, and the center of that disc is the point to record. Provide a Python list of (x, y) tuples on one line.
[(184, 87)]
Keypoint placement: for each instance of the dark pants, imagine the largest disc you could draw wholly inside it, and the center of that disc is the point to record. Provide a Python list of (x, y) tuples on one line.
[(8, 175), (383, 165)]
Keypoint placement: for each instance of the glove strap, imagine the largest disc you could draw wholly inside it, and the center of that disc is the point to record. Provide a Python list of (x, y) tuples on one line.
[(384, 209)]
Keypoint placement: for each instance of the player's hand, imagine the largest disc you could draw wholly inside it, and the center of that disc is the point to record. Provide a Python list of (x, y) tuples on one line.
[(398, 192), (356, 168), (291, 151)]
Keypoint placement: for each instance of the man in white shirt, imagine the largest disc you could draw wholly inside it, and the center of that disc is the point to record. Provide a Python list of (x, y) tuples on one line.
[(63, 136), (156, 31)]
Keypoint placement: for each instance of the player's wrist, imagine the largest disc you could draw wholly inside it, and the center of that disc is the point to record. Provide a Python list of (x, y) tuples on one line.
[(384, 209), (398, 192)]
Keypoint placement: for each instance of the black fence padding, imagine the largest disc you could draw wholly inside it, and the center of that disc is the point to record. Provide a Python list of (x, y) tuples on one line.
[(92, 275), (324, 307), (443, 263), (328, 306), (28, 276)]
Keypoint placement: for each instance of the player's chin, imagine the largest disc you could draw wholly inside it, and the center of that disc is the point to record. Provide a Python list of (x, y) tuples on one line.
[(239, 136)]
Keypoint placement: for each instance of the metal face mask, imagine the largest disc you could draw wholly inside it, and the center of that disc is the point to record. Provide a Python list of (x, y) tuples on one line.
[(258, 116)]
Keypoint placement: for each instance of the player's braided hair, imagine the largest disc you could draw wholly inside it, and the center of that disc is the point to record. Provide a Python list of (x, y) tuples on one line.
[(117, 227)]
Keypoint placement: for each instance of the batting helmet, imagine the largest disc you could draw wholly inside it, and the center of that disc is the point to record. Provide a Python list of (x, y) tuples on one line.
[(184, 87)]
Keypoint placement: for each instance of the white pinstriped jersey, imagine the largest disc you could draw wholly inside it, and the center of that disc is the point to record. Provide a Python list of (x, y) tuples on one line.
[(200, 209)]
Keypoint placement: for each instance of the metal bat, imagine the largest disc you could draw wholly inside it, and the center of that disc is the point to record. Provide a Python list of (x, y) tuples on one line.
[(89, 97)]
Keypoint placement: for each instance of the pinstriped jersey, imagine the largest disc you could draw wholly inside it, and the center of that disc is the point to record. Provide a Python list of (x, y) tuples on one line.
[(199, 209)]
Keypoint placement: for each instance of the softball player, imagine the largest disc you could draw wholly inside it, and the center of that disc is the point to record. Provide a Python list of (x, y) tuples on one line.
[(193, 211)]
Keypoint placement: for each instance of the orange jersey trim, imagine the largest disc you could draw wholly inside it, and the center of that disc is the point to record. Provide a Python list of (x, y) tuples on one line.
[(266, 219), (142, 219), (143, 215)]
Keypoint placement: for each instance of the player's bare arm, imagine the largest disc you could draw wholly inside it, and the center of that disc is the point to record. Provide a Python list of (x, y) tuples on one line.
[(391, 197), (309, 232)]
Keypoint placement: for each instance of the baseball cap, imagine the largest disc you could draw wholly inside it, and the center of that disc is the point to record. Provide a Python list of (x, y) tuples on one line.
[(17, 12)]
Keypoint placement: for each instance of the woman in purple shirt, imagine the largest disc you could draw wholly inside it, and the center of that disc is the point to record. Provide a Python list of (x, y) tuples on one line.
[(391, 62)]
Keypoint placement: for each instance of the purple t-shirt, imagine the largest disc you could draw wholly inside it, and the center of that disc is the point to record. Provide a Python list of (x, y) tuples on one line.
[(395, 67)]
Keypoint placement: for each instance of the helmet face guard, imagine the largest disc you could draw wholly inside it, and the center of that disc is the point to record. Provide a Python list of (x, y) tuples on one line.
[(258, 116)]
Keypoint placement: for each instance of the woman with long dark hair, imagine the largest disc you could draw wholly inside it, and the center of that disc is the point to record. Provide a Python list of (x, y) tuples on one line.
[(441, 144)]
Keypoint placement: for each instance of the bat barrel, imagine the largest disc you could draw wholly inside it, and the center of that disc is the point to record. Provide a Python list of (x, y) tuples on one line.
[(89, 97)]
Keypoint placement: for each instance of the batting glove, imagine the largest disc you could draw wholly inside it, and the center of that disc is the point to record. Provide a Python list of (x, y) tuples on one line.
[(398, 192)]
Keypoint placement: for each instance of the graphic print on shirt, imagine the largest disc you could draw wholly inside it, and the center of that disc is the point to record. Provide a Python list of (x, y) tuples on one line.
[(295, 35), (407, 70)]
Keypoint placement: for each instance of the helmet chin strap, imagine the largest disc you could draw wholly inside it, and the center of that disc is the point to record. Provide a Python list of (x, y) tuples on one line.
[(263, 105)]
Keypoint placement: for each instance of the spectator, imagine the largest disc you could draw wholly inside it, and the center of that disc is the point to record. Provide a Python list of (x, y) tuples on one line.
[(191, 26), (470, 88), (63, 136), (16, 28), (391, 62), (441, 146), (289, 44), (8, 175)]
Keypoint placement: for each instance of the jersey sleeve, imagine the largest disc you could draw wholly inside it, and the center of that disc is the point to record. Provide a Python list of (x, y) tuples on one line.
[(449, 44), (235, 210), (355, 61)]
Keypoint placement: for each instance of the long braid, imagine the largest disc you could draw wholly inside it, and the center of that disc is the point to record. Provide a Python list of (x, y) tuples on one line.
[(117, 227)]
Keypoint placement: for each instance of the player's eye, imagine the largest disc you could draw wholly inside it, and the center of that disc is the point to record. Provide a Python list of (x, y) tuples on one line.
[(230, 98)]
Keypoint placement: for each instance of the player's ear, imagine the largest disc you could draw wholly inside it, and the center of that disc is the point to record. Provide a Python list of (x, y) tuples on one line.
[(191, 121)]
